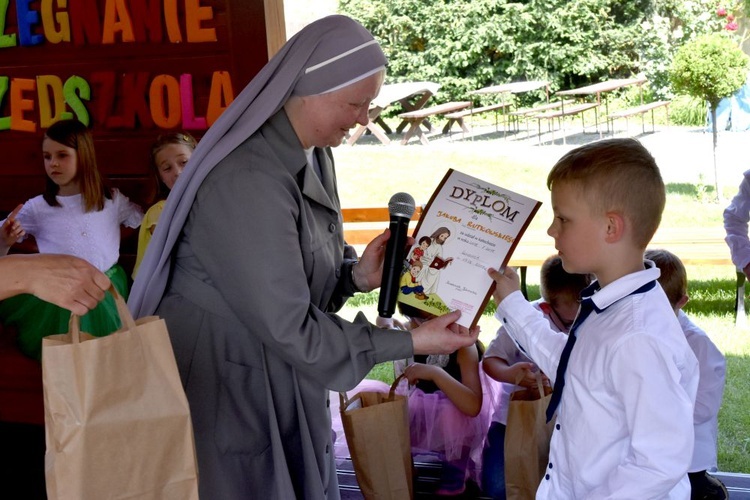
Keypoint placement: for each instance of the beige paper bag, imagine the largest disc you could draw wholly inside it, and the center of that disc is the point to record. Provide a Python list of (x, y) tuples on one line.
[(116, 417), (527, 437), (376, 427)]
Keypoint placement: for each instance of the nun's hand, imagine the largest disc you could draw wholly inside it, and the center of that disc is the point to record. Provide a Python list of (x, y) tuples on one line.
[(368, 272)]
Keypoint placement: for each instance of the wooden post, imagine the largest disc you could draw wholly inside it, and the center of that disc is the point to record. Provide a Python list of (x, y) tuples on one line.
[(275, 25)]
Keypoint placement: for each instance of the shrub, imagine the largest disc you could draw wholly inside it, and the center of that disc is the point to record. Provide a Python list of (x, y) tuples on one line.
[(711, 67), (687, 110)]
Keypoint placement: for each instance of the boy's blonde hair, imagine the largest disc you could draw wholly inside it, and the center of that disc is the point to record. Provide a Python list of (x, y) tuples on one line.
[(616, 175), (673, 278)]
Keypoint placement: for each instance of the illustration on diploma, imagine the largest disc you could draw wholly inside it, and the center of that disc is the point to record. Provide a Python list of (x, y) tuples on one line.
[(422, 268)]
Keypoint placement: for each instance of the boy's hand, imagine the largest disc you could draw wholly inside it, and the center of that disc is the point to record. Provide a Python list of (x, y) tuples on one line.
[(505, 284), (524, 374)]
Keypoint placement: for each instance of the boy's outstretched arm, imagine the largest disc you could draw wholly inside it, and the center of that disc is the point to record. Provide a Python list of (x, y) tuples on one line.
[(525, 324), (521, 373)]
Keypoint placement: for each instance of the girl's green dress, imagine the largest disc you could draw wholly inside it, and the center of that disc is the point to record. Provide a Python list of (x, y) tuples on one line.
[(35, 318)]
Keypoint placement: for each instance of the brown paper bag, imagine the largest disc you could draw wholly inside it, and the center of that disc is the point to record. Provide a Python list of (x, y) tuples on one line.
[(116, 417), (527, 437), (376, 427)]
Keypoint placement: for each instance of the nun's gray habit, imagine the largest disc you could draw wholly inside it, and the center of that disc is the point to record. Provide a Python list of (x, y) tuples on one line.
[(247, 267)]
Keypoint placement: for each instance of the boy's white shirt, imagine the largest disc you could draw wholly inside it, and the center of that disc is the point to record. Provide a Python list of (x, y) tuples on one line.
[(712, 366), (624, 427)]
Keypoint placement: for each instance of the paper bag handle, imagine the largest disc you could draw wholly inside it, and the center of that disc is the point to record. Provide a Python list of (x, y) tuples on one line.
[(344, 399), (74, 325), (539, 382)]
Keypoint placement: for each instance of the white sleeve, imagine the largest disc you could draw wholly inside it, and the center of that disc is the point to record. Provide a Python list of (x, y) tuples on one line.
[(736, 217), (502, 346), (532, 332), (712, 367), (128, 213)]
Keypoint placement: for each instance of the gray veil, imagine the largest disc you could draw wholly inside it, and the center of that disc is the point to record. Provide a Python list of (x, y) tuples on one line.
[(326, 55)]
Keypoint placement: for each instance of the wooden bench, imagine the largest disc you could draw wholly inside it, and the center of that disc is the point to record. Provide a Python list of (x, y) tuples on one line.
[(459, 115), (563, 112), (414, 118), (532, 111), (639, 110), (694, 246)]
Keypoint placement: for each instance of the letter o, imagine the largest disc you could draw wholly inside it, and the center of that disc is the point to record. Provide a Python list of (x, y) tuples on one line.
[(495, 206), (164, 101)]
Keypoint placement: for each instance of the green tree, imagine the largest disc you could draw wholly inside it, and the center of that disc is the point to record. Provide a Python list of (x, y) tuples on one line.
[(467, 44), (711, 67)]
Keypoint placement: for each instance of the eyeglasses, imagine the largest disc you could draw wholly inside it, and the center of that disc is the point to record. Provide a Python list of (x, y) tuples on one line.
[(563, 324)]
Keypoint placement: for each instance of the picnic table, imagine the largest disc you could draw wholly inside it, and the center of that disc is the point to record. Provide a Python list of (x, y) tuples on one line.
[(601, 87), (596, 89), (417, 117), (411, 96), (512, 88)]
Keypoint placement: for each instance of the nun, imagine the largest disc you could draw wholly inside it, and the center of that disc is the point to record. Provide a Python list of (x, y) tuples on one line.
[(248, 266)]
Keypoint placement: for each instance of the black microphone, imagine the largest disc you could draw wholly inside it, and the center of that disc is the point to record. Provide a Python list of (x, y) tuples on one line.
[(400, 208)]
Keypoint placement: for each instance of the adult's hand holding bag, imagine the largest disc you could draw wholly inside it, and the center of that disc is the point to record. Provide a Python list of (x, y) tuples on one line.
[(117, 421)]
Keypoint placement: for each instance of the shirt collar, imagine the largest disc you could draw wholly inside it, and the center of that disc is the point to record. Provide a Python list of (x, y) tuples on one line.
[(637, 282)]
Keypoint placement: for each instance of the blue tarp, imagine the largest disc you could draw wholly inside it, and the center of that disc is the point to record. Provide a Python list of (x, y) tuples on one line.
[(733, 113)]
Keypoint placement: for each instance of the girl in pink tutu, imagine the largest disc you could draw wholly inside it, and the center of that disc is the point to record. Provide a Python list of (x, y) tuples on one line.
[(449, 409)]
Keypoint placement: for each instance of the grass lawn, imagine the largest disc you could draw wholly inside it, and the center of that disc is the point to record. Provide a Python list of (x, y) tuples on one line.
[(369, 174)]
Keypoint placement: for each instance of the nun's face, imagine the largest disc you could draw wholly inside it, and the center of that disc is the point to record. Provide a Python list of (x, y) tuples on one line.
[(323, 120)]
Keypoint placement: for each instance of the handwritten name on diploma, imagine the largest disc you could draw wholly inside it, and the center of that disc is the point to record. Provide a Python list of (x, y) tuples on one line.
[(460, 288), (450, 217), (472, 260)]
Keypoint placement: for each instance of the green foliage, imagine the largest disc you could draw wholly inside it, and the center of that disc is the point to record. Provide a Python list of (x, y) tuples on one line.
[(711, 67), (687, 110), (468, 44), (668, 26)]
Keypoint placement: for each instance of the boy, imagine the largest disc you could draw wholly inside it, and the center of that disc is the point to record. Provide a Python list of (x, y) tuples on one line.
[(504, 362), (418, 252), (409, 282), (625, 378), (712, 366)]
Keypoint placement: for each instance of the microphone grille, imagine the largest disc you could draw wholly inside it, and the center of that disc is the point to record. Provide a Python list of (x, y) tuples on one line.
[(401, 205)]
